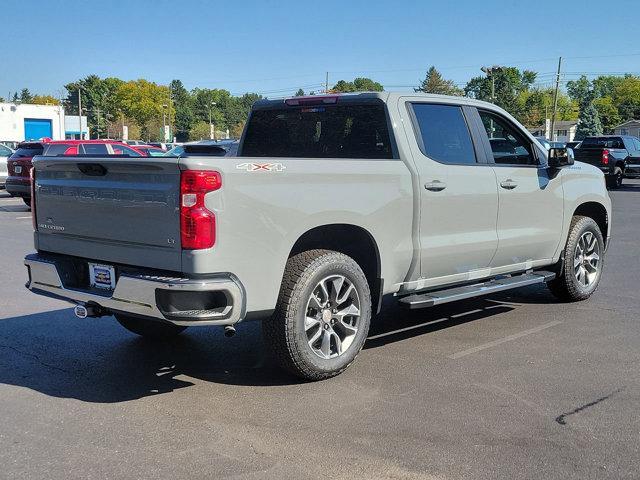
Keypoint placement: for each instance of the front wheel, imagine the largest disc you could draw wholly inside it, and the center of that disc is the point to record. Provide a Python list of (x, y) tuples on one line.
[(322, 317), (582, 262), (148, 328)]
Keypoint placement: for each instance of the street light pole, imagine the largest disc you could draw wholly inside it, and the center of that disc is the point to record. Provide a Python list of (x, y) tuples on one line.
[(164, 122), (212, 131)]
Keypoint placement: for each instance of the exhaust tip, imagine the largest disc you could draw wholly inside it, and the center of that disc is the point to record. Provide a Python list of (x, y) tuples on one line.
[(81, 311), (229, 331)]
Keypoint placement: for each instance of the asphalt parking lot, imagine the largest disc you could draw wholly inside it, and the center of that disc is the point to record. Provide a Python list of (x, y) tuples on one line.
[(511, 386)]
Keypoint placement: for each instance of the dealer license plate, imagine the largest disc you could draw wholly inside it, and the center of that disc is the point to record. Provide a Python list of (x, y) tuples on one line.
[(102, 276)]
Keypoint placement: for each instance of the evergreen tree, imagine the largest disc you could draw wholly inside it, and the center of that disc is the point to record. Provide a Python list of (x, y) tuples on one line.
[(183, 110), (15, 97), (299, 93), (25, 96), (434, 83), (588, 123)]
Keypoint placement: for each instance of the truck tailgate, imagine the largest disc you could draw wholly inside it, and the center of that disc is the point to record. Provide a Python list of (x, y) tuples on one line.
[(116, 210)]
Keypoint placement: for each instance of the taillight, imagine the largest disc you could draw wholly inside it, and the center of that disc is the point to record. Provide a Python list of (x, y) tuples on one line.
[(32, 177), (197, 223), (605, 157)]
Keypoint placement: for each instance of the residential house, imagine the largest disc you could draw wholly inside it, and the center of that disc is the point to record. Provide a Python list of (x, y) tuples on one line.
[(564, 130), (632, 127)]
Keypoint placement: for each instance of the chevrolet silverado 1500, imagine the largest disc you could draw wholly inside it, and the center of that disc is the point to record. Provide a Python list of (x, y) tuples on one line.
[(333, 203)]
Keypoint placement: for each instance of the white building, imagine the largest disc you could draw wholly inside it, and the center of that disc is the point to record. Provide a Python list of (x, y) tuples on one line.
[(22, 121), (632, 127), (71, 129)]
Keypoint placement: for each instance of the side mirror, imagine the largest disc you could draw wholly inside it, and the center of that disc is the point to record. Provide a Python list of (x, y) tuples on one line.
[(560, 157)]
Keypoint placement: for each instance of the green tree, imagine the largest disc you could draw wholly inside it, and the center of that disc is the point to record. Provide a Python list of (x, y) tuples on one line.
[(626, 97), (184, 116), (143, 101), (435, 83), (360, 84), (588, 123), (608, 113), (299, 93), (580, 90), (509, 83), (200, 130), (25, 96), (15, 97), (99, 102), (44, 100)]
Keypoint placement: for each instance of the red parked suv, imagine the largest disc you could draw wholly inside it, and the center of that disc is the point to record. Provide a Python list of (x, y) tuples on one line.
[(18, 182)]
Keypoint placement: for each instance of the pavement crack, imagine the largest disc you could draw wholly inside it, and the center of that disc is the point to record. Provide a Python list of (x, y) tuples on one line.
[(561, 419), (34, 356)]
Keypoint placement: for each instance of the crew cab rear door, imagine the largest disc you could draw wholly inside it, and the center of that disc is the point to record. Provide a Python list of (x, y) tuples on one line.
[(458, 193)]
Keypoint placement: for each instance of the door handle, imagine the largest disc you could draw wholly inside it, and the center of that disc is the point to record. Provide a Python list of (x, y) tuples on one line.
[(508, 184), (435, 186)]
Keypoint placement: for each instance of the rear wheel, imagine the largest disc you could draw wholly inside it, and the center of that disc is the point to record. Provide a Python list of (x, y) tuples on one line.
[(582, 263), (615, 180), (322, 316), (147, 328)]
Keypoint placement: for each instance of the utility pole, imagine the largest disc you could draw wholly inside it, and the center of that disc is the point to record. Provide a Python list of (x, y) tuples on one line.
[(212, 130), (164, 122), (555, 101), (490, 71), (98, 121), (79, 112), (326, 83)]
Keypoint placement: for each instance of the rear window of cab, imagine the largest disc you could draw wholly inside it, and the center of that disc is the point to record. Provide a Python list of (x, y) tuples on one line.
[(319, 131), (26, 151)]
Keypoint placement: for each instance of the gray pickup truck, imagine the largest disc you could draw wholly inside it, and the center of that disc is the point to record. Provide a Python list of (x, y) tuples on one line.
[(332, 203)]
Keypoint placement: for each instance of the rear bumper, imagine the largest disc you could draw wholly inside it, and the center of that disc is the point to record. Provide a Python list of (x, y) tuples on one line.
[(18, 187), (147, 295)]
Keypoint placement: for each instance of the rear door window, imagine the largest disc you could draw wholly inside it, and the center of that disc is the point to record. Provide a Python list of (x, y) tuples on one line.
[(319, 131), (56, 149), (124, 150), (94, 149), (443, 134)]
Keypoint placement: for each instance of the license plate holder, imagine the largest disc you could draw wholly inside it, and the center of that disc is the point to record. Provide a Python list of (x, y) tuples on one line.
[(102, 276), (18, 169)]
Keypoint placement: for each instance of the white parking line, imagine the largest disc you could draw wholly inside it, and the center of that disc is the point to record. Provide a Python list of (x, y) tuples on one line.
[(23, 218), (515, 336)]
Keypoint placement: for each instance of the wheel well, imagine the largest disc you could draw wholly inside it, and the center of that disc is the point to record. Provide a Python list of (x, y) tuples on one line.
[(596, 211), (620, 164), (353, 241)]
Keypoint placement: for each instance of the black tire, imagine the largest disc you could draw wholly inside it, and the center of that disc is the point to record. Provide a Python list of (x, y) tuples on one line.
[(27, 201), (615, 180), (285, 330), (566, 286), (149, 328)]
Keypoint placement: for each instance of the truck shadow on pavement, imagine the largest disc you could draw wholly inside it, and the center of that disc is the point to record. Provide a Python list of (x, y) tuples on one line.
[(98, 361)]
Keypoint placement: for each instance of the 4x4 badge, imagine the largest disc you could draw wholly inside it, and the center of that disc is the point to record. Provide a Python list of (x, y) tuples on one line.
[(265, 167)]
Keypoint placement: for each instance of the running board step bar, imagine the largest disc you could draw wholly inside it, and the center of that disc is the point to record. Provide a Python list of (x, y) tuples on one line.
[(431, 299)]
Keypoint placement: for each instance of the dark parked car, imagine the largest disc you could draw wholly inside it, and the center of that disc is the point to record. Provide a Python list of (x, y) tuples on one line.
[(18, 182), (618, 156)]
